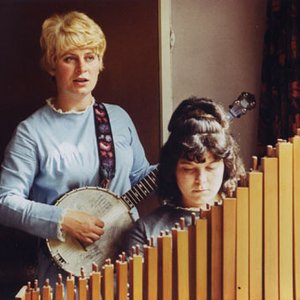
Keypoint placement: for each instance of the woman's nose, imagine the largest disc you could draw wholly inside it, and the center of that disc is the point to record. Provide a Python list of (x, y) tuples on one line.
[(81, 66), (201, 177)]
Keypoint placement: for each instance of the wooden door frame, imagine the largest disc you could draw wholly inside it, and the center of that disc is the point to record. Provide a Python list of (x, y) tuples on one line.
[(166, 105)]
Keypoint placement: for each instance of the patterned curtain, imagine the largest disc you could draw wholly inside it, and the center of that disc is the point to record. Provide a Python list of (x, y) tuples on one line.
[(279, 114)]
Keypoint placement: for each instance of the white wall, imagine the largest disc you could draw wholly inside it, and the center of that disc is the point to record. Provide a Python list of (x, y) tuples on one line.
[(218, 54)]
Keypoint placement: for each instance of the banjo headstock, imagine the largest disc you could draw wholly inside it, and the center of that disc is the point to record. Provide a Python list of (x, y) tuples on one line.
[(239, 107)]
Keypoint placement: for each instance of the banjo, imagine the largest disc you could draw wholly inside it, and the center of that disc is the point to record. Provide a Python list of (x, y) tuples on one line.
[(114, 210)]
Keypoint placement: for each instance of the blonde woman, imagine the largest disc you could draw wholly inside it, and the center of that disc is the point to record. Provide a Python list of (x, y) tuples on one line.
[(55, 150)]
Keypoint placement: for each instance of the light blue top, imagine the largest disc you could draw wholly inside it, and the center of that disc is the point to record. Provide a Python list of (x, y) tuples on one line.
[(52, 153)]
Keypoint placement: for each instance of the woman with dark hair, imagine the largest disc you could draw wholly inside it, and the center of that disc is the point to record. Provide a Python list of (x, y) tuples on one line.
[(199, 165)]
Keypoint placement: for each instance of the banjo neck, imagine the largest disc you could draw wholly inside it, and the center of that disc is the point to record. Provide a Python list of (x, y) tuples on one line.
[(141, 190), (239, 107)]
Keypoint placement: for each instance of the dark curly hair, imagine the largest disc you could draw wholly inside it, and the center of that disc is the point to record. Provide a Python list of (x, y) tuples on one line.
[(197, 126)]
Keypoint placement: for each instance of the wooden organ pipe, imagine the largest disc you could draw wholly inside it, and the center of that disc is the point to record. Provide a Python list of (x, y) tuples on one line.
[(246, 248)]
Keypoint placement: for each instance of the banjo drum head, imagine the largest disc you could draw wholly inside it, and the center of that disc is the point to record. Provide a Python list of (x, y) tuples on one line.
[(70, 255)]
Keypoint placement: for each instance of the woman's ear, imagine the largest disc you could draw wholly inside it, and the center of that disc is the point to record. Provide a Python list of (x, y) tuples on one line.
[(52, 72), (101, 66)]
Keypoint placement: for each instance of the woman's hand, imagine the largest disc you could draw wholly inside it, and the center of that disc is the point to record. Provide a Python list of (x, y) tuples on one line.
[(82, 226)]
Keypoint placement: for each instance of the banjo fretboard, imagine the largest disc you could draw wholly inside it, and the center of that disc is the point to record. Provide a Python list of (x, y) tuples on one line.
[(141, 190)]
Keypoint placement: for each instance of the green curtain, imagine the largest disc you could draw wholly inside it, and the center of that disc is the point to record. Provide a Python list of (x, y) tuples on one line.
[(279, 111)]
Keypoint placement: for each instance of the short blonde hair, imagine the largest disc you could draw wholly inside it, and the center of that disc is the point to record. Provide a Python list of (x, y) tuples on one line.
[(61, 33)]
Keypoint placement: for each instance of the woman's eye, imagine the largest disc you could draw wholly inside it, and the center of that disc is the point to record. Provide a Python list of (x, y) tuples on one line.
[(188, 170), (211, 168), (68, 59), (90, 58)]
